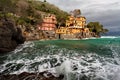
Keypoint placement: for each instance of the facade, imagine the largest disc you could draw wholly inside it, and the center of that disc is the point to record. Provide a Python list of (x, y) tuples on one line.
[(62, 30), (79, 21), (48, 26), (75, 28), (73, 25), (49, 23)]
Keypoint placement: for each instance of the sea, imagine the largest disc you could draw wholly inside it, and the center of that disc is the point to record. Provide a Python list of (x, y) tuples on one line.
[(86, 59)]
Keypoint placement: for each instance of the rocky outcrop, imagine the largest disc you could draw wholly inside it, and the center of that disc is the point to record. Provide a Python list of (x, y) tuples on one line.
[(80, 35), (86, 35), (33, 35), (31, 76), (10, 36), (39, 35)]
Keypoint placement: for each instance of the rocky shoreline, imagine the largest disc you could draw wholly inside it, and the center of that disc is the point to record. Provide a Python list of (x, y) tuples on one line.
[(31, 76), (10, 36)]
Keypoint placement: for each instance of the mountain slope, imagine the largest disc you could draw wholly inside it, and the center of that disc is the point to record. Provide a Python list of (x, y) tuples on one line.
[(32, 9)]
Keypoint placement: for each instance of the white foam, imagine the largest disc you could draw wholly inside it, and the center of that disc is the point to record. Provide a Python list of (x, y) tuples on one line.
[(109, 37), (96, 67), (89, 64), (22, 46)]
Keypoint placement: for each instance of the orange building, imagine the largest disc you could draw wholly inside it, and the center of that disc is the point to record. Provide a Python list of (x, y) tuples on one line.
[(73, 25), (79, 21), (49, 23)]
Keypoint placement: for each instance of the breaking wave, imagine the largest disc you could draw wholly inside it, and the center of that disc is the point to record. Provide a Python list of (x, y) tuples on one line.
[(91, 59)]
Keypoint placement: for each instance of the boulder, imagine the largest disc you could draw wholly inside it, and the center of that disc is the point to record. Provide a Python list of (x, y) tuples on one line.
[(10, 36), (31, 76)]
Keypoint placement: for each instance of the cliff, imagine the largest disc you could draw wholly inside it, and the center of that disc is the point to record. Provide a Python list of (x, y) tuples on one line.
[(10, 36), (26, 15)]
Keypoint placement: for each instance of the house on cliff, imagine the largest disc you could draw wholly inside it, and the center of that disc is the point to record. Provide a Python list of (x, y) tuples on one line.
[(49, 23), (79, 21), (48, 26), (75, 28)]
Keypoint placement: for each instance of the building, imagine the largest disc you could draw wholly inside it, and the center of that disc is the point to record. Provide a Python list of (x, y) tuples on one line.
[(73, 25), (79, 21), (49, 23), (62, 30), (75, 28)]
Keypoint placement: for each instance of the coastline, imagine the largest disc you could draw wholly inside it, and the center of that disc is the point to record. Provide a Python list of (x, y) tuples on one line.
[(36, 61)]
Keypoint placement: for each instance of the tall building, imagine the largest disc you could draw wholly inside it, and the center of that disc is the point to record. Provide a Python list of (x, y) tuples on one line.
[(73, 25), (49, 23), (75, 28), (78, 22)]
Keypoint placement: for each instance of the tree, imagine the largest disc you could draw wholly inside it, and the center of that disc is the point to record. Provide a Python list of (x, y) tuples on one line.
[(45, 1), (76, 12), (96, 27)]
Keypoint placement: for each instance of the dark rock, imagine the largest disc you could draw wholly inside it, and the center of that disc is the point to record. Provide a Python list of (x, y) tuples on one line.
[(10, 36), (31, 76)]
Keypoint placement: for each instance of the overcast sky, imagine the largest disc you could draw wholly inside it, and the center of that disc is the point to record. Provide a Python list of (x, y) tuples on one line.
[(107, 12)]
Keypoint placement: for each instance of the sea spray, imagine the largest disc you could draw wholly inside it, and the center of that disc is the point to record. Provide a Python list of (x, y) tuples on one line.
[(91, 59), (22, 46), (65, 69)]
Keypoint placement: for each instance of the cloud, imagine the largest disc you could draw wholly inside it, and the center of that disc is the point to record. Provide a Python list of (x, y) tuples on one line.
[(105, 11)]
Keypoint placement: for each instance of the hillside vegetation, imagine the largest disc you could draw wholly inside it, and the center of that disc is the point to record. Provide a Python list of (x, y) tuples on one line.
[(29, 12)]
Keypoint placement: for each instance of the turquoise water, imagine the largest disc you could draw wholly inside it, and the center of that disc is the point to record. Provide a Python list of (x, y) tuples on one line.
[(87, 59)]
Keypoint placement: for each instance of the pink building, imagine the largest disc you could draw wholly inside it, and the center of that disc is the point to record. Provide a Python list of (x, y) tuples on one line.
[(49, 23)]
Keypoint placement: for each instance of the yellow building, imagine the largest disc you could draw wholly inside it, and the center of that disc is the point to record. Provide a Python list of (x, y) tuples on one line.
[(73, 25), (68, 30), (76, 21), (80, 21), (75, 30), (86, 30), (62, 30), (68, 23)]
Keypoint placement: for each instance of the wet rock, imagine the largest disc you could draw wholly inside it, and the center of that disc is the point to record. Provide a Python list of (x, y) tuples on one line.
[(10, 36), (31, 76)]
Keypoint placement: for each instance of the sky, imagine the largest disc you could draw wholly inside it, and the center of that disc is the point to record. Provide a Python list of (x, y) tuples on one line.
[(107, 12)]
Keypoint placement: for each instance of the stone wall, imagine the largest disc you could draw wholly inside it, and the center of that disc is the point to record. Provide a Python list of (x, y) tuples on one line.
[(80, 35)]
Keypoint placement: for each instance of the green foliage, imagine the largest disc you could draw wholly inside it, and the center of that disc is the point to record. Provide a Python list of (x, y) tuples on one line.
[(4, 4), (49, 8), (7, 5), (76, 12), (45, 1), (96, 27), (30, 12), (1, 15)]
